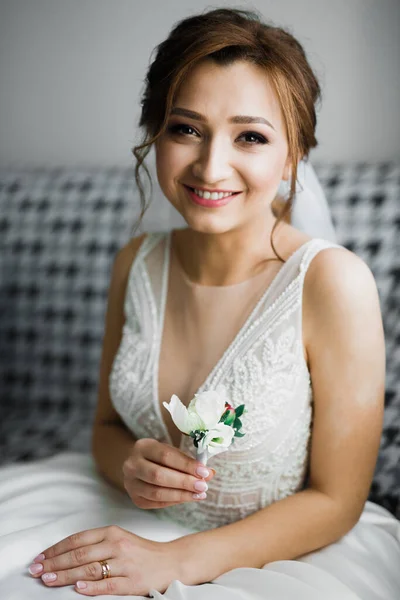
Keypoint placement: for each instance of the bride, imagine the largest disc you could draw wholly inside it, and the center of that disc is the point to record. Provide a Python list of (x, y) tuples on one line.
[(287, 321)]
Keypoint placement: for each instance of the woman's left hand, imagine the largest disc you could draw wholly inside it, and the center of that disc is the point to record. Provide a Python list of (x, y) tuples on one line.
[(137, 565)]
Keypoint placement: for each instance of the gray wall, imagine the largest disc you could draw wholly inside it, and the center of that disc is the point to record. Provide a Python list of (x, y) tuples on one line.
[(71, 72)]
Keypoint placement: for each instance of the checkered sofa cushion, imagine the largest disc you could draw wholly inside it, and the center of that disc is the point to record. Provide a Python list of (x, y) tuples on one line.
[(59, 232)]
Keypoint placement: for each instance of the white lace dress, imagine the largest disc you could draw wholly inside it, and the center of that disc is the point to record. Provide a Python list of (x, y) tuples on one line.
[(263, 366)]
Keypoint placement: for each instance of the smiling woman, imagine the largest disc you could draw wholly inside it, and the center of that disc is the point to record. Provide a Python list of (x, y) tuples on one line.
[(291, 331)]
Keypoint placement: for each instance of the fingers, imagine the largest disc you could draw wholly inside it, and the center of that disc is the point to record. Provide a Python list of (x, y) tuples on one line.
[(76, 540), (158, 475), (68, 561), (171, 457), (146, 493), (91, 571), (150, 505), (115, 586)]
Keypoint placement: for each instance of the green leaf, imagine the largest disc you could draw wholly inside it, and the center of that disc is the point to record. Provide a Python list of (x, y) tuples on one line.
[(238, 434), (239, 410), (237, 424), (197, 436)]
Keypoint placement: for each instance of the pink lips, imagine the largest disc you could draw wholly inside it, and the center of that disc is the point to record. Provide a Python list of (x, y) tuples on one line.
[(209, 203)]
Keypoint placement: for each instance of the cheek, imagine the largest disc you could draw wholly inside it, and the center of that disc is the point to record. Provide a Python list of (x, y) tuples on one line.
[(171, 160), (171, 163), (163, 159), (263, 172)]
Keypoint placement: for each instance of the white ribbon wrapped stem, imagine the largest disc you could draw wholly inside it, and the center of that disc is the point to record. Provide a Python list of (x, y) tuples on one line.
[(202, 456)]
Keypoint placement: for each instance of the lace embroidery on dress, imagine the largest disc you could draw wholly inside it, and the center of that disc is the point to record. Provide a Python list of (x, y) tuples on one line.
[(264, 367)]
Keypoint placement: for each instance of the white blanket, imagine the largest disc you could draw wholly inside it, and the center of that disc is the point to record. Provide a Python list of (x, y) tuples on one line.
[(45, 501)]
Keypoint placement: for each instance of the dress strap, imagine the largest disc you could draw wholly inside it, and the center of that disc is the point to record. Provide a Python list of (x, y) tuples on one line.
[(150, 241), (312, 250), (140, 280)]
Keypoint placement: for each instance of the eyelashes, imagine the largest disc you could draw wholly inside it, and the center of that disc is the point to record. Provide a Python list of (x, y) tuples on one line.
[(183, 130), (260, 139)]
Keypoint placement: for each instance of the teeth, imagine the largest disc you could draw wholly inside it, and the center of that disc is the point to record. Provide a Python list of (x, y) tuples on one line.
[(212, 195)]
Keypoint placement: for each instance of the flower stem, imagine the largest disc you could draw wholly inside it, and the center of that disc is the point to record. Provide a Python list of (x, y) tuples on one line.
[(202, 456)]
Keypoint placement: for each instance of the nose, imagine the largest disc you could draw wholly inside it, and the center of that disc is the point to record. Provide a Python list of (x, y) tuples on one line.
[(213, 163)]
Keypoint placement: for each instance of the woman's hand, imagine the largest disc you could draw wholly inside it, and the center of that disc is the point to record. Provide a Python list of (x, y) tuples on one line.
[(137, 565), (157, 475)]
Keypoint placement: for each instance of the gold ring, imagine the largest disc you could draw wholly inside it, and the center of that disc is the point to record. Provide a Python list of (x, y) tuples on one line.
[(105, 569)]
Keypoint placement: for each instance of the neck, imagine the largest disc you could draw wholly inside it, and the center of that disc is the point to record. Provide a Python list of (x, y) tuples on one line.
[(230, 257)]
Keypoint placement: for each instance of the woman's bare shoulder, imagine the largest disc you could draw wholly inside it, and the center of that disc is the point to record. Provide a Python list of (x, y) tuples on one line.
[(338, 287), (338, 270)]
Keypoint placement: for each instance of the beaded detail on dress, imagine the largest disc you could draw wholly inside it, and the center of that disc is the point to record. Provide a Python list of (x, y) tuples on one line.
[(264, 368)]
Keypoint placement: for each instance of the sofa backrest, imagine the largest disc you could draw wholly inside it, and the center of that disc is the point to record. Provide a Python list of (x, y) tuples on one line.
[(59, 233)]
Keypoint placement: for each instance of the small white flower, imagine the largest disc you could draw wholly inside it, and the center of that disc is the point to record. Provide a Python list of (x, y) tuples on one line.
[(203, 412), (209, 406), (184, 420), (217, 440), (201, 420)]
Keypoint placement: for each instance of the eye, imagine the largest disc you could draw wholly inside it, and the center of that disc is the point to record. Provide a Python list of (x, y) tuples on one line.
[(182, 129), (254, 138)]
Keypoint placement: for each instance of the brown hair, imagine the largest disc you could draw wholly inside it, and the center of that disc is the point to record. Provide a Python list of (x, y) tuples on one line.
[(227, 35)]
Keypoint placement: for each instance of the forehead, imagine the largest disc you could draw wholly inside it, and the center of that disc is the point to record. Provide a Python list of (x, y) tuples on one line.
[(220, 91)]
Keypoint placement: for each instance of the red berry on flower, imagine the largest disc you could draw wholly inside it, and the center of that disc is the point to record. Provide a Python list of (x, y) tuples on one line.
[(229, 415)]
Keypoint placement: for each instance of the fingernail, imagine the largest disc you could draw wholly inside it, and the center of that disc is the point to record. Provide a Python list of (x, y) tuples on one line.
[(39, 558), (49, 577), (200, 486), (202, 471), (35, 569), (81, 585), (200, 496)]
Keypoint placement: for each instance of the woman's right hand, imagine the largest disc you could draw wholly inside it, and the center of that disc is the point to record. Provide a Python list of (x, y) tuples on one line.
[(157, 475)]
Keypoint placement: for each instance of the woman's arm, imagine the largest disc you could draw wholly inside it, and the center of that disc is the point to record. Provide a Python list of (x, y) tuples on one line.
[(345, 345), (112, 442)]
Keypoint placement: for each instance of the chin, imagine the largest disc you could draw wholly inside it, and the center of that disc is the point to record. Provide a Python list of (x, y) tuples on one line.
[(208, 223)]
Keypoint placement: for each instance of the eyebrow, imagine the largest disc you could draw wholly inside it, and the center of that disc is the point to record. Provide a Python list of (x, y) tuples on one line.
[(240, 119)]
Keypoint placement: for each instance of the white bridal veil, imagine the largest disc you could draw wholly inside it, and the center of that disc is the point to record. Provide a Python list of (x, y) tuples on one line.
[(310, 211)]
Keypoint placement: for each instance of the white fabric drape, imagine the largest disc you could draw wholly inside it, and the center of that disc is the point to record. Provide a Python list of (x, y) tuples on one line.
[(45, 501)]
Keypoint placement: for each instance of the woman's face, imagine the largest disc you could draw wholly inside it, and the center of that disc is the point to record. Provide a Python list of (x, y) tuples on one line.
[(225, 134)]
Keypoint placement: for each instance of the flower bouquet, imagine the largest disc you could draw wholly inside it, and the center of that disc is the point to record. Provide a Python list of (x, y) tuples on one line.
[(209, 419)]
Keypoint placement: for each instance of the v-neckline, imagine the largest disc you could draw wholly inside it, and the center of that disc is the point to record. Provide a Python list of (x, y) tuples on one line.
[(220, 361)]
